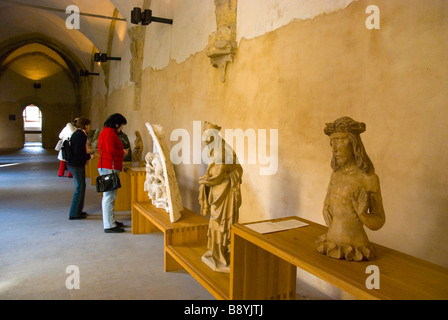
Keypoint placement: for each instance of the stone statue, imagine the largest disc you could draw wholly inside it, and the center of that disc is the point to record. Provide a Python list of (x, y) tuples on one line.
[(161, 183), (90, 136), (353, 196), (126, 145), (220, 196), (94, 143), (138, 148)]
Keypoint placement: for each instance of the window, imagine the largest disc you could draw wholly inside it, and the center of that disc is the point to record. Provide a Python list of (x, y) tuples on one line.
[(32, 114)]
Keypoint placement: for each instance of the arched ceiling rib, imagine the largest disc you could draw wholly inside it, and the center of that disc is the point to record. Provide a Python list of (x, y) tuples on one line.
[(20, 18), (37, 65), (36, 47)]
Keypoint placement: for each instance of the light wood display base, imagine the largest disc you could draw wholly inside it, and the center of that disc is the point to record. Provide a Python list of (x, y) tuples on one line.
[(263, 266), (137, 176), (186, 241), (87, 168), (257, 274), (132, 187), (256, 257), (93, 168), (123, 200), (189, 258), (132, 181), (190, 229)]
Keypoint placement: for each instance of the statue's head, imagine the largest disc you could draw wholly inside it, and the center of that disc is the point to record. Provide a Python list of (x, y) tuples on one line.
[(347, 145), (217, 147), (211, 132)]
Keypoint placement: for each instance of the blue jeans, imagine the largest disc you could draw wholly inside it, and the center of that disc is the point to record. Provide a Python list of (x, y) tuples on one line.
[(108, 202), (79, 178)]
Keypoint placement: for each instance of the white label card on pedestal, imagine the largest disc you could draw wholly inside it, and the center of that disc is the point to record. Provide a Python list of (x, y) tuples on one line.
[(270, 227)]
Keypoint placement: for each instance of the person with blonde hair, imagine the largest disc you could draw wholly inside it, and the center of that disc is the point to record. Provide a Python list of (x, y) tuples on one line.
[(65, 134)]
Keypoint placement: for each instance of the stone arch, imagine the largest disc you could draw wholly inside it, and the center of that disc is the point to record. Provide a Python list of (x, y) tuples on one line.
[(22, 103), (83, 84), (9, 46), (55, 114)]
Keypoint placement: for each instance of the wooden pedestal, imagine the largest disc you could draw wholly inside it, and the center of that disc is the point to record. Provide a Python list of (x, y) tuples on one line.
[(132, 187), (132, 181), (263, 266), (257, 261), (190, 229), (137, 178), (93, 168), (257, 274), (188, 256)]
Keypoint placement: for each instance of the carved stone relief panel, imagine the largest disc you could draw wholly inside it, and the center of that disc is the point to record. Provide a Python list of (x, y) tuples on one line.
[(161, 183)]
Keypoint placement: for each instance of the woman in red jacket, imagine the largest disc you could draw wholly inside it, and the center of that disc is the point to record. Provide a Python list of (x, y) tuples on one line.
[(111, 156)]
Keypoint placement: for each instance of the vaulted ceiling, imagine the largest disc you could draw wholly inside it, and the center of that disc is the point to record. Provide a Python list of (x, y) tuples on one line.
[(43, 22)]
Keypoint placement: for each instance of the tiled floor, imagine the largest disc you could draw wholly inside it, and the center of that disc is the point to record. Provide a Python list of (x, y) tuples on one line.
[(38, 242)]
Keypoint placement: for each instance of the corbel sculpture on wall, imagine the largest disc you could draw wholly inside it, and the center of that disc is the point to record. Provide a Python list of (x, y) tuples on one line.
[(222, 43)]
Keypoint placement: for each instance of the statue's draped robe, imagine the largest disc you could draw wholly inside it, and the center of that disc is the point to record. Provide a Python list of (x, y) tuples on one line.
[(222, 202)]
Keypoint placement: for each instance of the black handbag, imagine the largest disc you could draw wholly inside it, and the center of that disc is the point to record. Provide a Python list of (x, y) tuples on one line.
[(107, 182)]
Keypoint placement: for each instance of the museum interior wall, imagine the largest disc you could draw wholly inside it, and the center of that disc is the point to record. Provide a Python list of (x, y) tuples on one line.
[(295, 79), (298, 65)]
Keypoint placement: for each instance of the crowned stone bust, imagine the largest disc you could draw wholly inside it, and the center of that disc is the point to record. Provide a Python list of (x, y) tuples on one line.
[(353, 197)]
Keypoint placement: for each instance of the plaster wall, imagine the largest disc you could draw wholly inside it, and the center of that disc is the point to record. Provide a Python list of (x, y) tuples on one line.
[(256, 17), (296, 73), (120, 71)]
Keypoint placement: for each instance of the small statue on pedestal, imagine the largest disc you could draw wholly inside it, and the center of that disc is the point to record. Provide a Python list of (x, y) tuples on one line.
[(353, 197), (94, 142), (220, 195), (126, 145), (138, 149)]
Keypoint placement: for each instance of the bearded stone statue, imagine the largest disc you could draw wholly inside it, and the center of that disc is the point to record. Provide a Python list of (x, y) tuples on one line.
[(353, 198)]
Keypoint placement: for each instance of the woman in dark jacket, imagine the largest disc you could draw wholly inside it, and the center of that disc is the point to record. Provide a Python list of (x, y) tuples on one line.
[(111, 155), (76, 166)]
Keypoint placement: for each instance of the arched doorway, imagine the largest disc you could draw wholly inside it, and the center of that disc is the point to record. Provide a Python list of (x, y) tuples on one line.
[(32, 125), (48, 79)]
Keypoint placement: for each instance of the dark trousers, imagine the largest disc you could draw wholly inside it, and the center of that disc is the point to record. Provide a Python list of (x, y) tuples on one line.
[(79, 178)]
